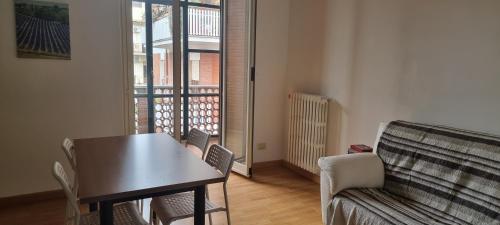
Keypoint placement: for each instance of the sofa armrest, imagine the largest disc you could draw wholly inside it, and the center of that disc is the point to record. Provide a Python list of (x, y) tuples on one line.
[(361, 170)]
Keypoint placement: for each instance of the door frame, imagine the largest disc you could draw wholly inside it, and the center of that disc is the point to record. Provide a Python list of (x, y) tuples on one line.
[(245, 170), (126, 42)]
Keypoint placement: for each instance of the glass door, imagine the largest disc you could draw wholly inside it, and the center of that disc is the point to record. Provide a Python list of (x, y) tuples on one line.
[(174, 96), (239, 82), (183, 81), (161, 58), (202, 66), (154, 63)]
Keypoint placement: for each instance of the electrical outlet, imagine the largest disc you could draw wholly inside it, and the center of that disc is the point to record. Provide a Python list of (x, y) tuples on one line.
[(261, 146)]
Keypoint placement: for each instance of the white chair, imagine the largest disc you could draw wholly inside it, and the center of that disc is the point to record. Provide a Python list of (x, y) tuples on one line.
[(67, 147), (124, 213), (178, 206), (199, 139)]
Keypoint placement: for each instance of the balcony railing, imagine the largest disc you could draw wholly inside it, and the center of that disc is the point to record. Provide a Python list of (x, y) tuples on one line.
[(204, 109), (204, 22)]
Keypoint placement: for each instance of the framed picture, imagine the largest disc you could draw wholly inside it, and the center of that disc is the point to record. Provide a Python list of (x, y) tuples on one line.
[(42, 29)]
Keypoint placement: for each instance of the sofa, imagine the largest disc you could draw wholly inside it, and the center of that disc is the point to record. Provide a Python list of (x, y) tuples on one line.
[(418, 174)]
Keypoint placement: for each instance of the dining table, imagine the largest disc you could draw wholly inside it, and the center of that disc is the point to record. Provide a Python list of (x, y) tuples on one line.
[(111, 170)]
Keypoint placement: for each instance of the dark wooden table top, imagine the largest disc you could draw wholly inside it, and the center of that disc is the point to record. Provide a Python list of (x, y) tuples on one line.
[(113, 168)]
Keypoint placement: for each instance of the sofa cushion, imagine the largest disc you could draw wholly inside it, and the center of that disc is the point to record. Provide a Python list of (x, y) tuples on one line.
[(379, 207), (452, 171)]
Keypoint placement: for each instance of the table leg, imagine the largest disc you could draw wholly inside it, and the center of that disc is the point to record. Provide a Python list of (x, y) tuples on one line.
[(92, 206), (199, 205), (106, 213)]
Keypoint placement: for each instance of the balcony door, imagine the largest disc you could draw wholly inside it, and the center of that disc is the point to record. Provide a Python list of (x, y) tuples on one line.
[(239, 82), (174, 95), (179, 71)]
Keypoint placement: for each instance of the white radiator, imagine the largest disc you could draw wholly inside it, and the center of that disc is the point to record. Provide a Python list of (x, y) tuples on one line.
[(307, 127)]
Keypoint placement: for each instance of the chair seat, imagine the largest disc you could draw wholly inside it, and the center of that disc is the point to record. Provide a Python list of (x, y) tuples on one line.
[(178, 206), (123, 214)]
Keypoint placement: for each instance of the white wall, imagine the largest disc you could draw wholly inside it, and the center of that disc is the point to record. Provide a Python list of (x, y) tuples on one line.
[(305, 45), (43, 101), (270, 78), (441, 65), (426, 61)]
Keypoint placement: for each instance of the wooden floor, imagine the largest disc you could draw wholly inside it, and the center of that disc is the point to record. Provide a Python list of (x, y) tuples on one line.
[(273, 196)]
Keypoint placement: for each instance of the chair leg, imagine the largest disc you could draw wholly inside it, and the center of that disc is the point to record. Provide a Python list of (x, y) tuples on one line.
[(208, 197), (150, 217), (154, 220), (227, 205), (157, 221), (142, 206), (206, 192)]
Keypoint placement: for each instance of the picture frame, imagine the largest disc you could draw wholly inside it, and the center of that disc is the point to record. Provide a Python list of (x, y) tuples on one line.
[(42, 29)]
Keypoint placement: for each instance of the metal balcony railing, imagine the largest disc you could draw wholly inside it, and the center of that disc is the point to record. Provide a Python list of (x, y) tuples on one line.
[(204, 22), (204, 109)]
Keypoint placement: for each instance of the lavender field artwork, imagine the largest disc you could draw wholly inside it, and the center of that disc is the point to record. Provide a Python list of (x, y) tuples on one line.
[(42, 29)]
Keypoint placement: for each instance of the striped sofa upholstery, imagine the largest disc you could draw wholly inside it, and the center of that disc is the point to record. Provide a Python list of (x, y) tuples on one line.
[(433, 175)]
